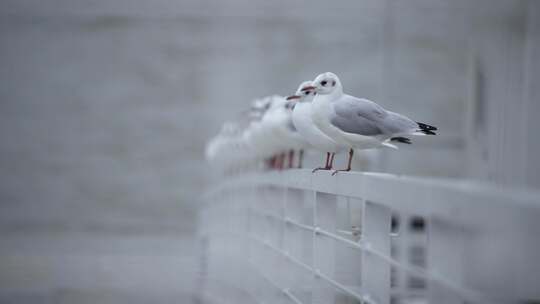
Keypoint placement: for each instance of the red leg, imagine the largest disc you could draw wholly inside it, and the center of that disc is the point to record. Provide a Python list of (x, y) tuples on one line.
[(331, 163), (326, 166), (327, 160), (281, 161), (300, 158), (291, 158), (272, 162), (351, 153)]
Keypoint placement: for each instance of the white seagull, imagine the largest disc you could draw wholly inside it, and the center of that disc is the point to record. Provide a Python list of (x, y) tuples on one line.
[(230, 149), (274, 133), (225, 149), (356, 122), (301, 117)]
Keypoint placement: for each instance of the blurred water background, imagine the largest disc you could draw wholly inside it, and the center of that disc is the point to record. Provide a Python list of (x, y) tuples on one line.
[(105, 107)]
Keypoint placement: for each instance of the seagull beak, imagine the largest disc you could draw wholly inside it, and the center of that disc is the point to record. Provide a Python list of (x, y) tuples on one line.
[(308, 88), (293, 97)]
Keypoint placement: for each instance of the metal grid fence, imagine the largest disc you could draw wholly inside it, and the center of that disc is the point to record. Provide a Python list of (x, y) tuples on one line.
[(372, 238)]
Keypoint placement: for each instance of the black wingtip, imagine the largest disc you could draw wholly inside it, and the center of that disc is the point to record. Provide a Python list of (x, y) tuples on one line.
[(427, 127), (400, 139), (428, 132)]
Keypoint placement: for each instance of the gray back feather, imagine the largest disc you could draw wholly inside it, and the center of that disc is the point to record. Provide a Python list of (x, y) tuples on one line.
[(364, 117)]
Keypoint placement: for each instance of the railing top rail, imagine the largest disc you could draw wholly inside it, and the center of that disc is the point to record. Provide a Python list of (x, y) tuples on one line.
[(420, 195)]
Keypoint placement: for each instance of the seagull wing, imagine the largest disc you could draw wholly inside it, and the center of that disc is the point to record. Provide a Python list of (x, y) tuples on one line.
[(358, 116), (364, 117)]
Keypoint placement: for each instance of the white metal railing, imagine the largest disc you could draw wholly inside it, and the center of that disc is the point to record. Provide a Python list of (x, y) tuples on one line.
[(415, 240)]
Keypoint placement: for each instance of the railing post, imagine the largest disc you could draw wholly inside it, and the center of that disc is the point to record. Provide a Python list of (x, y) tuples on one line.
[(445, 259), (293, 241), (250, 279), (326, 213), (376, 236), (409, 249), (285, 279)]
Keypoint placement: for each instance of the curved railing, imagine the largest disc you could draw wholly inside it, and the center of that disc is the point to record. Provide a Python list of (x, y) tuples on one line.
[(378, 238)]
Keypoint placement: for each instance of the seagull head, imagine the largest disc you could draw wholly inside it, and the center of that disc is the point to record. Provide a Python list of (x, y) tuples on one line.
[(327, 83), (305, 92)]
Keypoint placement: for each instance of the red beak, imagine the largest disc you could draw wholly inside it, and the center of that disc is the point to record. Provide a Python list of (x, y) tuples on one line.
[(308, 88), (293, 97)]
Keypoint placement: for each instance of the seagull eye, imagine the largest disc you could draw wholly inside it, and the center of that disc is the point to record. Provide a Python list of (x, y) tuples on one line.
[(324, 82), (333, 83), (306, 93)]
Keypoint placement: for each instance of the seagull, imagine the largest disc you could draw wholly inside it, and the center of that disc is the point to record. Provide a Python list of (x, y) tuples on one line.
[(232, 148), (256, 134), (260, 132), (301, 117), (226, 149), (274, 133), (356, 122), (287, 135)]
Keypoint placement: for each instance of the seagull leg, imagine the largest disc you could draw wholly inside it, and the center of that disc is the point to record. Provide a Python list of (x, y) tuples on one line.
[(331, 163), (281, 162), (326, 166), (291, 158), (272, 162), (300, 158), (351, 153)]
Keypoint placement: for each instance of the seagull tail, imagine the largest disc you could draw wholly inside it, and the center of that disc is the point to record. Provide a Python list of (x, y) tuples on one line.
[(426, 129), (389, 145)]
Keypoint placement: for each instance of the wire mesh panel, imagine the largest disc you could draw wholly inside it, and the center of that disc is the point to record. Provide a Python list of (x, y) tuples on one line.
[(372, 238)]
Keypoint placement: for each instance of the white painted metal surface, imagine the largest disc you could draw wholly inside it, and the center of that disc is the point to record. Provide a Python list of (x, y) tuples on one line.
[(373, 238)]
